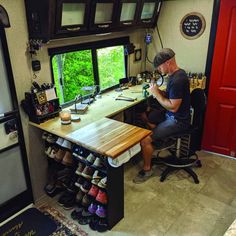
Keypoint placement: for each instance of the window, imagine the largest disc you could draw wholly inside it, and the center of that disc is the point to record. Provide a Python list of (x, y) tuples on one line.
[(98, 65)]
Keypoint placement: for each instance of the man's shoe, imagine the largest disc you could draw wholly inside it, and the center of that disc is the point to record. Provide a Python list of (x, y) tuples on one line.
[(143, 176)]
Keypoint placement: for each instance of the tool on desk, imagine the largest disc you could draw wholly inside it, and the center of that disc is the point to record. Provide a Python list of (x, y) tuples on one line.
[(124, 98)]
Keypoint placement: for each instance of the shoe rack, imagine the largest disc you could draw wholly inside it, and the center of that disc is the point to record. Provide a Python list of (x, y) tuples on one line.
[(76, 170)]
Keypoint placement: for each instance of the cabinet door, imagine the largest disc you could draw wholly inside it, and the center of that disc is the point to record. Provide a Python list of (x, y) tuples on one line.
[(149, 12), (128, 12), (103, 15), (72, 16)]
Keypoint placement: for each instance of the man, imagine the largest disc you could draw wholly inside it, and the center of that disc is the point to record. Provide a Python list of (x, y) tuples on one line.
[(176, 101)]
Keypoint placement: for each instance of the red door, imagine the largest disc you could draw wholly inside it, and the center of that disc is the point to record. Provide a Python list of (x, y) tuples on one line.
[(220, 123)]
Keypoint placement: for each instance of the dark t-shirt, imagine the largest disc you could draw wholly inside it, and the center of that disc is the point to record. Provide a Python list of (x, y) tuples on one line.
[(178, 88)]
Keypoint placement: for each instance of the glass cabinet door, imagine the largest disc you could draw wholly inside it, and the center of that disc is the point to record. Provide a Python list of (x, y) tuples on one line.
[(149, 12), (128, 12), (102, 14), (72, 16)]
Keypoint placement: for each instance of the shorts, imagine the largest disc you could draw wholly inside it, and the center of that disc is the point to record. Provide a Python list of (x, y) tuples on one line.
[(169, 127)]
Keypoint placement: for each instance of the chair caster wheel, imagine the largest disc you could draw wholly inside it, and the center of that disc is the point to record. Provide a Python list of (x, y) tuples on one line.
[(198, 163)]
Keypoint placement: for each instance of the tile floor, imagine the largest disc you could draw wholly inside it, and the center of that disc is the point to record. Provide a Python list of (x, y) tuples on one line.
[(178, 207)]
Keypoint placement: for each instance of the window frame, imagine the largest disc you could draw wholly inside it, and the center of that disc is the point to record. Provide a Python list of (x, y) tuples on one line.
[(93, 46)]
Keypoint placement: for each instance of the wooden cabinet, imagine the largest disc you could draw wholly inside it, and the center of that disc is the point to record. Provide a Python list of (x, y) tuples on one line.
[(52, 19), (72, 17)]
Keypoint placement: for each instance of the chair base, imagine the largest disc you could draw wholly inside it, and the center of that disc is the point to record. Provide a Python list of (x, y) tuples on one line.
[(170, 169), (174, 163)]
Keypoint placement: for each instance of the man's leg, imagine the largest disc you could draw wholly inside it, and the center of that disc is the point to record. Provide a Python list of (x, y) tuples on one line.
[(147, 150)]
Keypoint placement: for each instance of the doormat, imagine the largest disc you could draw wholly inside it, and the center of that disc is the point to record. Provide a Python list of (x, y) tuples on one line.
[(45, 221), (29, 222), (65, 226)]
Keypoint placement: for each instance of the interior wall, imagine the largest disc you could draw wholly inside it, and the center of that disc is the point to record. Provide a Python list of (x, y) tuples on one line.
[(190, 54)]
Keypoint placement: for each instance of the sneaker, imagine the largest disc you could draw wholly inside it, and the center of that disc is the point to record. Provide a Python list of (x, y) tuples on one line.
[(76, 150), (93, 191), (86, 201), (51, 138), (45, 135), (79, 196), (90, 159), (59, 141), (66, 144), (53, 152), (79, 182), (101, 197), (102, 225), (87, 172), (85, 187), (80, 168), (66, 172), (96, 177), (92, 208), (59, 155), (103, 183), (98, 163), (101, 212), (67, 159), (48, 151), (143, 176), (77, 212)]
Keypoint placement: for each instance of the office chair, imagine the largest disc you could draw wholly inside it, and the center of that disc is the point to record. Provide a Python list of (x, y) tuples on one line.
[(183, 146)]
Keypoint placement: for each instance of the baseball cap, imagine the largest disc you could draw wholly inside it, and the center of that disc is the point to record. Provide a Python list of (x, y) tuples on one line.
[(162, 56)]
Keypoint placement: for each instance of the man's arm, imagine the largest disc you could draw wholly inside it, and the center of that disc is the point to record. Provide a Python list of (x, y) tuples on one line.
[(169, 104)]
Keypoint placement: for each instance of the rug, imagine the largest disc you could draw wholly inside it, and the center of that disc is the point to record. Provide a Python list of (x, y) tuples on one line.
[(29, 222), (65, 226), (44, 221)]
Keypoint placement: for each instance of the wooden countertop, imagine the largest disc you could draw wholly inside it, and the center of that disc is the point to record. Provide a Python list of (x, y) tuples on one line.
[(108, 137)]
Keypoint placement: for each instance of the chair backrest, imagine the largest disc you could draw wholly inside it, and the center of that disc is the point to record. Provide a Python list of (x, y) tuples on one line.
[(198, 103)]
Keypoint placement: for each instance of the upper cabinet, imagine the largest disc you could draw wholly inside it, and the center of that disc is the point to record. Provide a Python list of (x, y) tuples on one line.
[(52, 19), (148, 13), (72, 16), (102, 13), (127, 13)]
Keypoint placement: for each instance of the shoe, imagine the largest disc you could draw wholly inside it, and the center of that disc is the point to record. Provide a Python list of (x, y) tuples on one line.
[(86, 186), (48, 150), (59, 155), (103, 183), (96, 177), (87, 172), (98, 163), (102, 225), (79, 196), (101, 197), (51, 138), (52, 189), (53, 152), (65, 197), (80, 168), (66, 144), (66, 172), (45, 135), (79, 182), (76, 214), (143, 176), (69, 203), (101, 212), (86, 201), (67, 159), (93, 191), (59, 141), (92, 208), (90, 159)]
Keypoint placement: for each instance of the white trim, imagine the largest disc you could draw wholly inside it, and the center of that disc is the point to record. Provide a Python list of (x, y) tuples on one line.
[(19, 212)]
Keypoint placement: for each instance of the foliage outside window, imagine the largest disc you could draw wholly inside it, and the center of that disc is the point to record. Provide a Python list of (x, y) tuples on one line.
[(74, 70)]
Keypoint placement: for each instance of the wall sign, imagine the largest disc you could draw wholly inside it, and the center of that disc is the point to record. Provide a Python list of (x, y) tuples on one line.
[(192, 25)]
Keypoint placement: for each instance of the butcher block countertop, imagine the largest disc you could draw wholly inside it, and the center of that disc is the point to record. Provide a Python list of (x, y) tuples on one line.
[(108, 137)]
